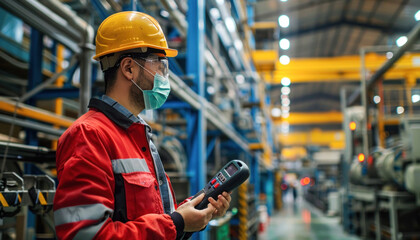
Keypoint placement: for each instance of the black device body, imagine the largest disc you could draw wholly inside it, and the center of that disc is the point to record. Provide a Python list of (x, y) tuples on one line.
[(233, 174)]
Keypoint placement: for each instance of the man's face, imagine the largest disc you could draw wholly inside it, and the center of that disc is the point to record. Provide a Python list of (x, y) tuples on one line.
[(148, 68)]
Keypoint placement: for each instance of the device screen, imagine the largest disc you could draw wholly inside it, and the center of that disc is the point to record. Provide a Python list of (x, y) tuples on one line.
[(231, 169)]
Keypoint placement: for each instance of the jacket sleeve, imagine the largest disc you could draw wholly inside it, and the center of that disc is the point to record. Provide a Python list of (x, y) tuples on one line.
[(84, 200)]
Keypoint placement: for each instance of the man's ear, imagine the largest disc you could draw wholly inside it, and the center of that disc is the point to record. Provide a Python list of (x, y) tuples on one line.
[(126, 68)]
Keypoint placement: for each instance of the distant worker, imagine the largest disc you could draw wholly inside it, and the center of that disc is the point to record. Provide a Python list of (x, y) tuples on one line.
[(294, 191), (112, 184)]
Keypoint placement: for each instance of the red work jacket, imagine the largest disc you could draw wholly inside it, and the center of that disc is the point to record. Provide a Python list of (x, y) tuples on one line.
[(107, 181)]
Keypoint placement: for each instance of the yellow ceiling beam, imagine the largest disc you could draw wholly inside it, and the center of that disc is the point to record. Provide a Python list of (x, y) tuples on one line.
[(342, 68), (346, 63), (293, 153), (265, 56), (300, 77), (264, 25), (311, 118), (331, 139), (265, 60)]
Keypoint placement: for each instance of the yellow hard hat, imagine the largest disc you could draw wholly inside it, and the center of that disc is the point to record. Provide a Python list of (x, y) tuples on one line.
[(130, 30)]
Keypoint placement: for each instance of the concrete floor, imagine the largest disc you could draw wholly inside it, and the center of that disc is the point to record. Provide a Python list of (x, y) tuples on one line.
[(302, 221)]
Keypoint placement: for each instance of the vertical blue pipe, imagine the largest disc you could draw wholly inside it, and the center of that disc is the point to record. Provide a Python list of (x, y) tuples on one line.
[(34, 79), (129, 6), (196, 124), (250, 13), (255, 175), (269, 191), (103, 13), (210, 147), (35, 76)]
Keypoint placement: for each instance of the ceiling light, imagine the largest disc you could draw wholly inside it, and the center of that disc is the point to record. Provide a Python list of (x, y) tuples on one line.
[(284, 21), (284, 59), (417, 15), (389, 55), (285, 102), (164, 13), (230, 24), (376, 99), (285, 81), (276, 112), (284, 44), (283, 0), (238, 44), (211, 90), (401, 41), (285, 90), (214, 13), (240, 79), (400, 110), (415, 98)]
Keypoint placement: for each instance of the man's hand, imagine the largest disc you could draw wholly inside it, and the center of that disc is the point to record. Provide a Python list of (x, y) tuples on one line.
[(221, 205), (195, 220)]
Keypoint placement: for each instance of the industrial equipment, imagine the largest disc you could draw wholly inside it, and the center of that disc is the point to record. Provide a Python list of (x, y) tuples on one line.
[(18, 190), (383, 190), (393, 168)]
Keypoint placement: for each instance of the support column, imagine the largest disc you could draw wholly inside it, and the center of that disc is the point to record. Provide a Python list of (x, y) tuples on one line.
[(86, 72), (377, 219), (35, 78), (410, 82), (196, 123), (393, 215)]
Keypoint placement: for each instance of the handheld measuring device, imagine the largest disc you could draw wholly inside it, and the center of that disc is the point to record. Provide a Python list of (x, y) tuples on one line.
[(233, 174)]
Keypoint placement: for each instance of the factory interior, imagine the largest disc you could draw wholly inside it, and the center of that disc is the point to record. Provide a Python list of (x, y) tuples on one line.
[(319, 98)]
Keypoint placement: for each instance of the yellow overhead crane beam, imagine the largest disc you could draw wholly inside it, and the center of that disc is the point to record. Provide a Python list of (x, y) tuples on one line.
[(331, 139), (337, 68), (293, 153), (265, 60), (311, 118)]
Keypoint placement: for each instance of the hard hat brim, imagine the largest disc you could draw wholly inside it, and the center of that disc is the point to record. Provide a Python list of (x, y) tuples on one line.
[(168, 51)]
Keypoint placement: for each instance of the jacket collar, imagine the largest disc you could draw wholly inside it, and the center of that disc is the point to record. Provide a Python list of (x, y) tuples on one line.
[(111, 113), (116, 112)]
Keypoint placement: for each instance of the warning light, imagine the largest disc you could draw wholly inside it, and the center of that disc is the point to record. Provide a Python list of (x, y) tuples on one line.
[(306, 180), (352, 126), (361, 157), (283, 186), (370, 160)]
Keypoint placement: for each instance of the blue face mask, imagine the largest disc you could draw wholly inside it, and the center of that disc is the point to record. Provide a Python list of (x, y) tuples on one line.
[(156, 97)]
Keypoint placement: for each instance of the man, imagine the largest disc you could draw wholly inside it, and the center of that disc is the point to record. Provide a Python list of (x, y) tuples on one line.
[(111, 180)]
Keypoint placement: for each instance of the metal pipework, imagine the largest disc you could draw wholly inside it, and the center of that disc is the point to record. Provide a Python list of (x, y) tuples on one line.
[(40, 17), (86, 46), (411, 39), (57, 21)]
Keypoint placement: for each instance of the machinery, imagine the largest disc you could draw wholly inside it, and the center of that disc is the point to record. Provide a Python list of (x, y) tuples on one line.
[(20, 192), (394, 168), (381, 195)]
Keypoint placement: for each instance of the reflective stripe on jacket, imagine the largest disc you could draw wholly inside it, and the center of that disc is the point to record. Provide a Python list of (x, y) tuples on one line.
[(108, 187)]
